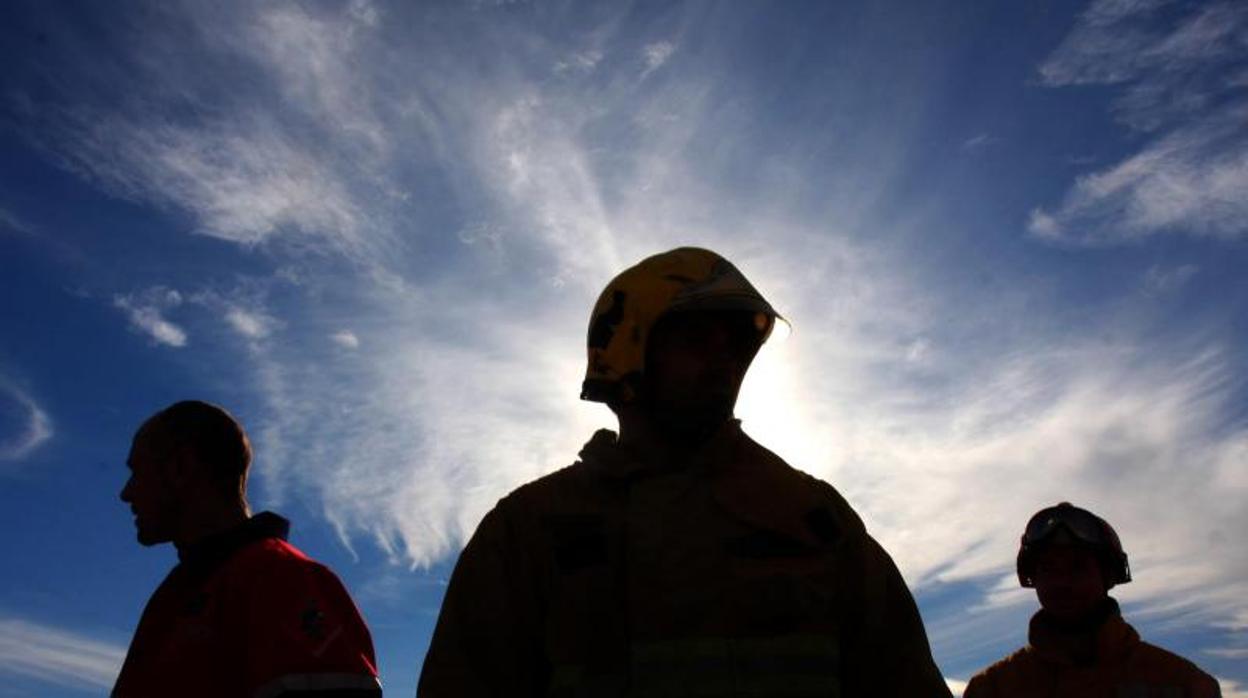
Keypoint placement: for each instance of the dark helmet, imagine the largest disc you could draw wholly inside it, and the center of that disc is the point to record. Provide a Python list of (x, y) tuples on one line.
[(1085, 528)]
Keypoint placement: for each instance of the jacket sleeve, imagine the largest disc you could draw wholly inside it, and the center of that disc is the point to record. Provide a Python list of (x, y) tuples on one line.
[(887, 652), (487, 641), (305, 637)]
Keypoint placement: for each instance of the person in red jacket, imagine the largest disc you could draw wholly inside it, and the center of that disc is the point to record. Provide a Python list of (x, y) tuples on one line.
[(678, 557), (244, 613), (1078, 643)]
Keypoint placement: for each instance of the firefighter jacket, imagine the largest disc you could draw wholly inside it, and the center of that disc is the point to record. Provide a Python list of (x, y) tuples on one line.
[(729, 575), (245, 613), (1107, 659)]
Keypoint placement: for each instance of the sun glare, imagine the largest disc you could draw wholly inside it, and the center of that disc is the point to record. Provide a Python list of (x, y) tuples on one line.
[(775, 409)]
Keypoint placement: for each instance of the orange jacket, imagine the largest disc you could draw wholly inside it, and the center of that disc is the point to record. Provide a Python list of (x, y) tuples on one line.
[(730, 575), (1118, 663)]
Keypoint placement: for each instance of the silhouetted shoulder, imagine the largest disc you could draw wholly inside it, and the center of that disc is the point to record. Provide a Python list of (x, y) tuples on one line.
[(1008, 671), (271, 563), (567, 481), (569, 488), (818, 499), (273, 551), (1175, 669)]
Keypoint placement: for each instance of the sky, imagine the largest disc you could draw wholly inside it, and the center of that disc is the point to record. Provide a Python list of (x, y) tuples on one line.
[(1010, 239)]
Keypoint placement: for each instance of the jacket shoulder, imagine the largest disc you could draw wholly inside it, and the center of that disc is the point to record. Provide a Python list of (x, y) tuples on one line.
[(804, 486), (1002, 677), (271, 553), (271, 567), (1177, 667), (568, 482)]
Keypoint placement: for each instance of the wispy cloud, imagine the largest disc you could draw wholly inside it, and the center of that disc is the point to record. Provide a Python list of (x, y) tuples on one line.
[(146, 311), (1192, 179), (315, 59), (249, 324), (1159, 280), (243, 180), (243, 169), (656, 55), (10, 221), (242, 308), (979, 142), (346, 339), (31, 427), (57, 656), (579, 62)]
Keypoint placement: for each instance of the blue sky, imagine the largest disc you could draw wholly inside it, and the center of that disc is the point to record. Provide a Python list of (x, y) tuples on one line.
[(1010, 239)]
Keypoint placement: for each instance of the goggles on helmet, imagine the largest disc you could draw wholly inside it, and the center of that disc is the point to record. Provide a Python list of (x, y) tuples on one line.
[(1083, 525)]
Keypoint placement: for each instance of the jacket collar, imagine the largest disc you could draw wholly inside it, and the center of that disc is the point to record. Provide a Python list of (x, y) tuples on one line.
[(747, 481), (210, 552), (1104, 636), (604, 454)]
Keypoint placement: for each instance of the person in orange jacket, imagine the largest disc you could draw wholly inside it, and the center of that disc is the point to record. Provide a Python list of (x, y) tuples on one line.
[(1078, 643), (677, 557), (244, 613)]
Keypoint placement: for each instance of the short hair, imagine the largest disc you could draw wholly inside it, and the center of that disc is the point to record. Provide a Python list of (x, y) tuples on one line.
[(210, 432)]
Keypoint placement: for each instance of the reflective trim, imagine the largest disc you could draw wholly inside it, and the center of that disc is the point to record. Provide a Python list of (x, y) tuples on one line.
[(318, 682)]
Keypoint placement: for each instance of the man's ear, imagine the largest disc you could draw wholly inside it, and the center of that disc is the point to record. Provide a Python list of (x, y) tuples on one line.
[(182, 467)]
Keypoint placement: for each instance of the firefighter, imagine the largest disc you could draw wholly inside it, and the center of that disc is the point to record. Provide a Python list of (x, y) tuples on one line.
[(244, 613), (676, 557), (1078, 643)]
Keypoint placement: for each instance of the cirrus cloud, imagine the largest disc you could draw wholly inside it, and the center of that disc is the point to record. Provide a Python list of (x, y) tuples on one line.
[(29, 426), (1172, 79)]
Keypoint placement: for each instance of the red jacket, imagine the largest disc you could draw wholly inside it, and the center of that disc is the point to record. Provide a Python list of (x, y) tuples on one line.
[(247, 614), (1110, 660)]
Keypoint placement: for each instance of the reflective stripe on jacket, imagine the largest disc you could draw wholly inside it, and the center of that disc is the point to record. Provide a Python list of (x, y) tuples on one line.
[(730, 575)]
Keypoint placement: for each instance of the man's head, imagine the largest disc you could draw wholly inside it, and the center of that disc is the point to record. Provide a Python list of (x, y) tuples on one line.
[(187, 459), (1072, 558), (672, 337)]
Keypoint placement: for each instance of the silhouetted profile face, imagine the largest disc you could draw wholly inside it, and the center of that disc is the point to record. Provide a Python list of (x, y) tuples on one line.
[(1069, 581), (150, 491), (695, 363)]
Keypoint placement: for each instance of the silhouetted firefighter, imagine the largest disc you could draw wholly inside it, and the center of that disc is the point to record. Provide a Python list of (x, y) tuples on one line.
[(1078, 644), (679, 557), (244, 613)]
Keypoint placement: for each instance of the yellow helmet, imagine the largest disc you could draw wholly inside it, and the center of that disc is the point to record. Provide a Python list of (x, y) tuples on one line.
[(680, 280)]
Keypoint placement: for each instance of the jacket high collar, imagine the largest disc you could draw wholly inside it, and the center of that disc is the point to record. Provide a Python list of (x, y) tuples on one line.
[(1103, 637), (207, 554)]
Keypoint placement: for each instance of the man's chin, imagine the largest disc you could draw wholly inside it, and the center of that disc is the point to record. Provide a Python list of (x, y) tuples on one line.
[(1068, 611), (148, 538)]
